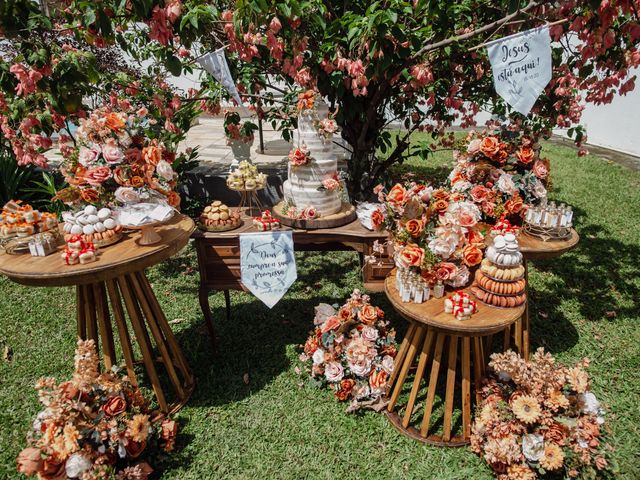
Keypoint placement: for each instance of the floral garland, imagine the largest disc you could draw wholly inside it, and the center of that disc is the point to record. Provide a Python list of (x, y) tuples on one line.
[(434, 232), (95, 426), (351, 350), (501, 171), (539, 419)]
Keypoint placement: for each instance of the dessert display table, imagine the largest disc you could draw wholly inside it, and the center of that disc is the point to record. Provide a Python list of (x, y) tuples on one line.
[(534, 248), (219, 257), (465, 344), (119, 275)]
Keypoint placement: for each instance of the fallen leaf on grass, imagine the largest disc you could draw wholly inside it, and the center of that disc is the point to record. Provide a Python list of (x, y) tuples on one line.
[(245, 378), (611, 314), (7, 354), (377, 405), (176, 320)]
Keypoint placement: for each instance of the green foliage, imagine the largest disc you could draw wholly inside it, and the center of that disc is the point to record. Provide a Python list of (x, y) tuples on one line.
[(14, 180)]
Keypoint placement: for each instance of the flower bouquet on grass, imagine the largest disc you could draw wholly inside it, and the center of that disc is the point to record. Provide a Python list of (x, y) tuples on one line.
[(351, 350), (95, 426), (539, 419), (433, 232), (114, 160), (500, 171)]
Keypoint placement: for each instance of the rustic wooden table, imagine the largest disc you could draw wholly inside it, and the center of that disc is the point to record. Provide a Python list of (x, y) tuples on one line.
[(432, 332), (219, 257), (119, 275)]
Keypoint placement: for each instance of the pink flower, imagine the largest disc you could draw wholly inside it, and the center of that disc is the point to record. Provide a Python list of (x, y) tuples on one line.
[(310, 212), (112, 153), (275, 25), (333, 372), (88, 156), (165, 170), (540, 169), (479, 193), (474, 146), (299, 156), (158, 29), (97, 176), (422, 75), (331, 184), (173, 10), (355, 68), (183, 52)]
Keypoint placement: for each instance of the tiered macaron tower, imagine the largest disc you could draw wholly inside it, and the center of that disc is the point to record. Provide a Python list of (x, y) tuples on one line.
[(500, 280)]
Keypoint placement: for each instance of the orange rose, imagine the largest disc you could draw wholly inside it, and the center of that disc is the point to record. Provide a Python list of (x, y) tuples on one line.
[(440, 205), (440, 195), (474, 237), (368, 315), (479, 193), (29, 461), (377, 218), (414, 227), (502, 155), (121, 177), (490, 146), (114, 406), (346, 387), (137, 181), (514, 205), (310, 346), (333, 323), (114, 121), (169, 432), (411, 256), (77, 176), (378, 380), (471, 255), (152, 154), (345, 314), (397, 195), (525, 155), (379, 313), (52, 470), (69, 390), (173, 198), (445, 271), (89, 195)]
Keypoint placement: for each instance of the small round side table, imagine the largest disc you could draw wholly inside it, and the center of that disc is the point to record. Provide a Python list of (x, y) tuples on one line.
[(119, 276), (432, 335)]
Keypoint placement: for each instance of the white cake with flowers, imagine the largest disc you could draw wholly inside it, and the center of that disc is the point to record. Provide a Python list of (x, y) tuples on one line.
[(312, 187)]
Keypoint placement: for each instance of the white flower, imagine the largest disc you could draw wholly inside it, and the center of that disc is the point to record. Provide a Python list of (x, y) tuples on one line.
[(591, 405), (387, 364), (127, 195), (461, 186), (361, 390), (474, 146), (533, 446), (76, 465), (318, 356), (361, 368), (165, 171), (583, 443), (538, 190), (370, 333), (333, 372), (461, 277), (324, 311), (506, 185)]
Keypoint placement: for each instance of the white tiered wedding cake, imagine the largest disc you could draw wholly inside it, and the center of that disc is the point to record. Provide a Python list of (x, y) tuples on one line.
[(312, 165)]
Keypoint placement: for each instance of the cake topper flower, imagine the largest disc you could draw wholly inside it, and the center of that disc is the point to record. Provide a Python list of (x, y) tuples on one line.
[(299, 156)]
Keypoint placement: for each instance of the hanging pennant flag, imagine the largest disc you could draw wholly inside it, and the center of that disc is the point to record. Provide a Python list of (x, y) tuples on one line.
[(521, 66), (216, 64), (267, 264)]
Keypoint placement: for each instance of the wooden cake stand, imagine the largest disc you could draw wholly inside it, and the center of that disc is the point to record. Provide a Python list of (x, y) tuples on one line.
[(346, 215), (117, 276), (433, 334)]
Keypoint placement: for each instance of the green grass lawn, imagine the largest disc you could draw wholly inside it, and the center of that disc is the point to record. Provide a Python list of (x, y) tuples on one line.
[(582, 304)]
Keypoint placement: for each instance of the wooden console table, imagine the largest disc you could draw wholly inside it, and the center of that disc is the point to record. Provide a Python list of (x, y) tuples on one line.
[(219, 257)]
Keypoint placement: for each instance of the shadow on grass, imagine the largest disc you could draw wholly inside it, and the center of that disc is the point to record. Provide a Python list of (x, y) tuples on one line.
[(600, 277)]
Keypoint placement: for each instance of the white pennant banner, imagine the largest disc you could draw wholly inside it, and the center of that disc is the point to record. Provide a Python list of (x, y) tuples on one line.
[(521, 66), (216, 64)]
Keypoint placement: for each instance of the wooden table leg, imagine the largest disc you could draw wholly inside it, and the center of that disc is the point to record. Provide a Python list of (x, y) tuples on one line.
[(433, 382), (400, 356), (414, 343), (451, 387), (466, 387), (123, 332), (422, 364)]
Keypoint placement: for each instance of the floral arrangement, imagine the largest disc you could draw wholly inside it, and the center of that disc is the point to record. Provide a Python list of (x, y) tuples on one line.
[(326, 127), (306, 100), (299, 156), (539, 419), (351, 350), (331, 183), (308, 213), (113, 160), (236, 129), (500, 171), (95, 426), (434, 232)]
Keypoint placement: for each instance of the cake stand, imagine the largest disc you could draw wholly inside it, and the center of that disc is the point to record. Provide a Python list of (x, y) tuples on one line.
[(249, 199), (347, 214)]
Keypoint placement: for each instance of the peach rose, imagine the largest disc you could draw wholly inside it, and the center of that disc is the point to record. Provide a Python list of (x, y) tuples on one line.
[(173, 199), (440, 205), (471, 255), (445, 271), (298, 157), (89, 195), (137, 181), (378, 380), (474, 146), (332, 323), (397, 195), (114, 406), (478, 193), (97, 176), (69, 390), (490, 146), (525, 155), (345, 313), (112, 153), (309, 212), (152, 154), (541, 168), (377, 218), (76, 177), (346, 387), (114, 121), (514, 205), (414, 227), (502, 155), (440, 195), (474, 237), (310, 346), (411, 256), (29, 461), (368, 315)]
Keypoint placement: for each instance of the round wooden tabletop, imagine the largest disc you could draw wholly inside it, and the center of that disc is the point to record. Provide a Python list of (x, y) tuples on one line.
[(486, 321), (121, 258), (534, 248)]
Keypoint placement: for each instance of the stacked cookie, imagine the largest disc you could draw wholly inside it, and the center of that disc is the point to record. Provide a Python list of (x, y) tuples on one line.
[(500, 280), (219, 216)]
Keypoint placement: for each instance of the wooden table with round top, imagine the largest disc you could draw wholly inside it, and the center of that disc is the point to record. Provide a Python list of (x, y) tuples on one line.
[(432, 333), (534, 248), (119, 275)]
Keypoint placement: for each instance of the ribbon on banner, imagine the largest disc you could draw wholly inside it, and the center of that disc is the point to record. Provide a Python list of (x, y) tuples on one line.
[(267, 264), (521, 66), (216, 64)]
